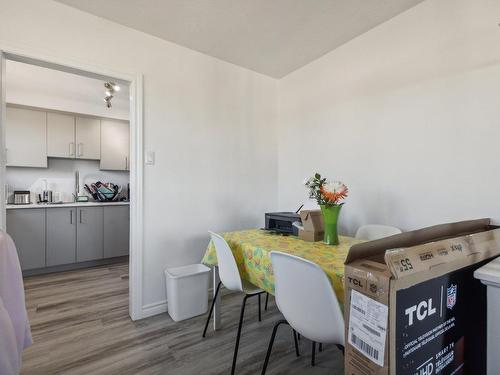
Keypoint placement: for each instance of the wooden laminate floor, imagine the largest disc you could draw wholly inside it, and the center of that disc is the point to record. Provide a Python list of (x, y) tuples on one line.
[(80, 325)]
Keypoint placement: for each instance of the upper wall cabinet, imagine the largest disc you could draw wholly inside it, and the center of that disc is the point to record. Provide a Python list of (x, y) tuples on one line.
[(60, 135), (115, 143), (26, 137), (88, 138), (33, 135), (70, 137)]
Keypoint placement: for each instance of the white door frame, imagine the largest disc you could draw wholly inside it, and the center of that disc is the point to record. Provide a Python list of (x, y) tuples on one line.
[(136, 151)]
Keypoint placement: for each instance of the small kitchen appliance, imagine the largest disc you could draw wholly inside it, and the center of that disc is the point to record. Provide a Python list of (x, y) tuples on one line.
[(22, 197), (47, 196)]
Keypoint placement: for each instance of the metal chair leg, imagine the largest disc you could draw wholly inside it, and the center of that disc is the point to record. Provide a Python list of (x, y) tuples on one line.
[(267, 300), (260, 312), (296, 343), (270, 347), (320, 347), (238, 335), (212, 308), (313, 357)]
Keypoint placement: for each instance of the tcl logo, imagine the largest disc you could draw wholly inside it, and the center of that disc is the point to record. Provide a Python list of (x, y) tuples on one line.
[(354, 281), (421, 310)]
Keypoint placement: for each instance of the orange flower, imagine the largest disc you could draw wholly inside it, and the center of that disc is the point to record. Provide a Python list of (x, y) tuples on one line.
[(334, 191)]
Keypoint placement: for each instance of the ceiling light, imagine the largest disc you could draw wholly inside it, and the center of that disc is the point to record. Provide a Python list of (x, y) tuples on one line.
[(111, 88)]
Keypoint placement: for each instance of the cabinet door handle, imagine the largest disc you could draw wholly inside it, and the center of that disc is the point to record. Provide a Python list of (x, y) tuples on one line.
[(71, 149), (126, 163), (71, 216), (80, 149), (80, 216)]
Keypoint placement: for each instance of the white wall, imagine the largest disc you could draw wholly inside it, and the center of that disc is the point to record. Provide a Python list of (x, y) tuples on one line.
[(407, 115), (211, 124)]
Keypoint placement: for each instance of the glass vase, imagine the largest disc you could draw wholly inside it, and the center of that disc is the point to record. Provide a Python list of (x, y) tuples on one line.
[(330, 218)]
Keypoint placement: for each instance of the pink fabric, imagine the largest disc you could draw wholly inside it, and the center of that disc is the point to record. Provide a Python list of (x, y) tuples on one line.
[(15, 333)]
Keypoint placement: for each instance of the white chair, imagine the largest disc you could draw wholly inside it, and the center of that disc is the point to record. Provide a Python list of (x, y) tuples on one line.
[(372, 232), (230, 277), (305, 297)]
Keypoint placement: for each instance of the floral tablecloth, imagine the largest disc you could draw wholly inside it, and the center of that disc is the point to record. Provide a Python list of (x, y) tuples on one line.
[(251, 250)]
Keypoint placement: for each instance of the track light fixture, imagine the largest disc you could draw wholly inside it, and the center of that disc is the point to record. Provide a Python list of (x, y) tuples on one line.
[(111, 88)]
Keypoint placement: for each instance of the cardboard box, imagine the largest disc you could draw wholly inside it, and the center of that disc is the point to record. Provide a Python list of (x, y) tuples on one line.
[(311, 236), (312, 222), (412, 305)]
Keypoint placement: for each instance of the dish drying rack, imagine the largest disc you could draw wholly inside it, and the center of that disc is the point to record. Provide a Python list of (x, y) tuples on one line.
[(103, 192)]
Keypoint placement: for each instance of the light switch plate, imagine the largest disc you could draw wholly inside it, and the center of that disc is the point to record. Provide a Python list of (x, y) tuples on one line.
[(150, 157)]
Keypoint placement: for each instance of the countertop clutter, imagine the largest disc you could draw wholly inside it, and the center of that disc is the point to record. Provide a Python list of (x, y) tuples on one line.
[(68, 204)]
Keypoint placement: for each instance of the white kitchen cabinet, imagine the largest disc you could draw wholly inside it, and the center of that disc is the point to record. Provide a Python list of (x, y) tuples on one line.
[(60, 135), (26, 137), (115, 144), (88, 138)]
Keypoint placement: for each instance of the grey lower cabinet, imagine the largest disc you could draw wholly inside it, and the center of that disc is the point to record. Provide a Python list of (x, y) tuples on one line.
[(89, 234), (116, 231), (61, 236), (27, 229), (56, 236)]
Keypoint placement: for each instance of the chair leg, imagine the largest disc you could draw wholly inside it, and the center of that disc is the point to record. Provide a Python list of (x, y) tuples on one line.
[(212, 308), (320, 347), (296, 343), (271, 342), (267, 300), (238, 335), (298, 336), (260, 308), (313, 357)]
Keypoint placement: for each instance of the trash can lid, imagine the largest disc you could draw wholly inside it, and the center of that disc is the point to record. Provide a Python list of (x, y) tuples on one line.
[(184, 271), (489, 273)]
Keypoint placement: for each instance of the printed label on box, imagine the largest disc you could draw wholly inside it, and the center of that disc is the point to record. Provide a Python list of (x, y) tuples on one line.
[(368, 326)]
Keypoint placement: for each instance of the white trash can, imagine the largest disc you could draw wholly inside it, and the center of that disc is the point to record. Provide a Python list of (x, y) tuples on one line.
[(187, 291), (489, 275)]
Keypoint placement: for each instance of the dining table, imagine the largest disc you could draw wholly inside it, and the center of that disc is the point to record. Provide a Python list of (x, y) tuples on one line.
[(251, 249)]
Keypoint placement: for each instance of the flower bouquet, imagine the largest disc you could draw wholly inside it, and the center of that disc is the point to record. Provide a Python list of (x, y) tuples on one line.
[(328, 195)]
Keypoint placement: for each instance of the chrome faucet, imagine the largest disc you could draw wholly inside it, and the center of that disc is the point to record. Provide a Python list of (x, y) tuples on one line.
[(77, 185)]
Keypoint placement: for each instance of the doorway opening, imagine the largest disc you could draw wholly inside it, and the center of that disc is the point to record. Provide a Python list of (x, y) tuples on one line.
[(71, 167)]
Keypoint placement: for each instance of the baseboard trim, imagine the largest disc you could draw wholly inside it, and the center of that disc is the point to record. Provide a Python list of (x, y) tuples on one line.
[(154, 309), (161, 306)]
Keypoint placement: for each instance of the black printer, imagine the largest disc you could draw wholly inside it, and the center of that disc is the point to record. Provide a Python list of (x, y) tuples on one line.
[(281, 222)]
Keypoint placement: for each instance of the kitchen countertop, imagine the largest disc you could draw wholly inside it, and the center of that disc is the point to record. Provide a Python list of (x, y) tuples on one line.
[(65, 204)]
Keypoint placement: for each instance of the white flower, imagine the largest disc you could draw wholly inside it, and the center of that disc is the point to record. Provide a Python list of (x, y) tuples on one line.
[(335, 187)]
